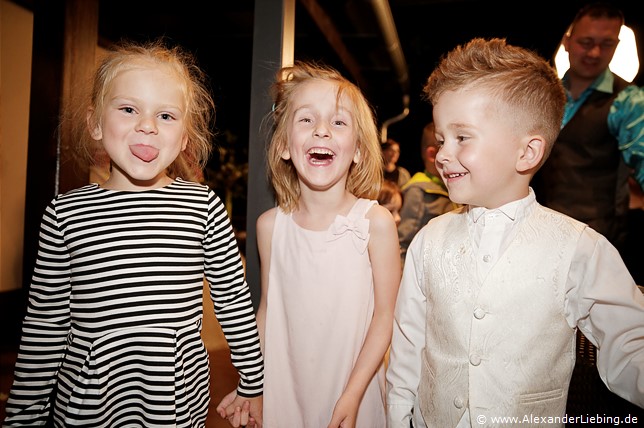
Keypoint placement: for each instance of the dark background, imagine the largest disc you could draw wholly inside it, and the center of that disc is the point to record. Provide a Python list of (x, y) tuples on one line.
[(220, 33)]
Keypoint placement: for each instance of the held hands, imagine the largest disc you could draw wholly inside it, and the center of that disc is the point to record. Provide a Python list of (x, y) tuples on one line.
[(241, 411)]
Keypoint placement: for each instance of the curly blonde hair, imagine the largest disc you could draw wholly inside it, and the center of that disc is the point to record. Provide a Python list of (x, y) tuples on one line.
[(200, 107), (364, 178)]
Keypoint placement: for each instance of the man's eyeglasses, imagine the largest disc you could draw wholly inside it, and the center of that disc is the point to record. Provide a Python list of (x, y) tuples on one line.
[(589, 44)]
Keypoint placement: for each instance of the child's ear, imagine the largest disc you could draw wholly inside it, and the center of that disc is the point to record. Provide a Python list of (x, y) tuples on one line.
[(184, 142), (430, 153), (94, 126), (532, 150), (357, 156)]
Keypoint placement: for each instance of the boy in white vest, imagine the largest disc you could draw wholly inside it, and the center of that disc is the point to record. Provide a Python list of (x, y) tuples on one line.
[(493, 293)]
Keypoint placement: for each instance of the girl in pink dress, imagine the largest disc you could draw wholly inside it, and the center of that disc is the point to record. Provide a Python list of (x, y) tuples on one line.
[(330, 265)]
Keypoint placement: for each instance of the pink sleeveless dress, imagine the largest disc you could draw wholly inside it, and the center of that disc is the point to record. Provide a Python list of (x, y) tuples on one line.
[(320, 303)]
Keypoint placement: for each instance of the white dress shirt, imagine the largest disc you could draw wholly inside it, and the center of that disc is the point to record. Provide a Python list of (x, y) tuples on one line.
[(597, 279)]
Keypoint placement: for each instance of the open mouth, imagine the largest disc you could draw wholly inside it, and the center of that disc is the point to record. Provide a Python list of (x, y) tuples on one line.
[(320, 155)]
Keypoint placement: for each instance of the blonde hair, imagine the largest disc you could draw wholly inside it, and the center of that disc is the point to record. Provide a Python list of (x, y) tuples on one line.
[(200, 107), (527, 87), (364, 178)]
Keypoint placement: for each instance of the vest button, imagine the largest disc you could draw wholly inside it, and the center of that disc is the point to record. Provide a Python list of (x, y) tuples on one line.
[(458, 403), (487, 258), (479, 313), (475, 360)]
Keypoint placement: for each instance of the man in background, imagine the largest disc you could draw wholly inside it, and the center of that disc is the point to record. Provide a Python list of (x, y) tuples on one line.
[(602, 137)]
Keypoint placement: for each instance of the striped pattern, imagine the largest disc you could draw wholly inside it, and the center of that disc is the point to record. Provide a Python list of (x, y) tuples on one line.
[(115, 310)]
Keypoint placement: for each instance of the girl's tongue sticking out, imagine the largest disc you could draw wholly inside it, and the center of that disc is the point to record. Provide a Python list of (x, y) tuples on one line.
[(145, 153)]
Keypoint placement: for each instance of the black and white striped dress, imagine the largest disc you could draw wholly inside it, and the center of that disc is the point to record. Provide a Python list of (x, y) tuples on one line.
[(112, 333)]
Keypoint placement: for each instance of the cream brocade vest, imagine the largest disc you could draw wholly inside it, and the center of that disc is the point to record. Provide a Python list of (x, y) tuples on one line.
[(500, 347)]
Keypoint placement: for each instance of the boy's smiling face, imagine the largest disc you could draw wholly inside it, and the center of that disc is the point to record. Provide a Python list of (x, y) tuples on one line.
[(479, 149)]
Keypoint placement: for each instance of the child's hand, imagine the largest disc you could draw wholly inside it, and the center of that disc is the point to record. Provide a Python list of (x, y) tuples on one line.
[(241, 411), (241, 417), (225, 403), (345, 413)]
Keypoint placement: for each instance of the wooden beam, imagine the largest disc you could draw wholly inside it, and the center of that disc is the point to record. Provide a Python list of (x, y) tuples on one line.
[(273, 40), (64, 42)]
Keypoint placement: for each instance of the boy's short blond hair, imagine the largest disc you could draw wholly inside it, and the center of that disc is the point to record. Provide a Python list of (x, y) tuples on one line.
[(527, 88)]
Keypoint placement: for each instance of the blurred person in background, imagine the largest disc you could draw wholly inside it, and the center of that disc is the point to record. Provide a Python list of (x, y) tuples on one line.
[(391, 155), (424, 195)]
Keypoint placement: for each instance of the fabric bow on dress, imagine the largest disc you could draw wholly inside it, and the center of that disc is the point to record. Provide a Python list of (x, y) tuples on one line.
[(358, 229)]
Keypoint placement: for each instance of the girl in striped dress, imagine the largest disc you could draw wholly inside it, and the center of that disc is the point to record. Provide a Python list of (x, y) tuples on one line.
[(112, 332)]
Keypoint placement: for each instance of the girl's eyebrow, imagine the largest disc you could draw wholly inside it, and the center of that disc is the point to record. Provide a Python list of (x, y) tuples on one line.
[(300, 108)]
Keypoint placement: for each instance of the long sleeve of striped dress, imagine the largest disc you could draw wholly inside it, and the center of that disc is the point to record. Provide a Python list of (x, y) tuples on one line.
[(112, 331)]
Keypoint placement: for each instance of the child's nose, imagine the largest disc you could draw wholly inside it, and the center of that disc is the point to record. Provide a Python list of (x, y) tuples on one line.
[(321, 131), (147, 125), (442, 156)]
